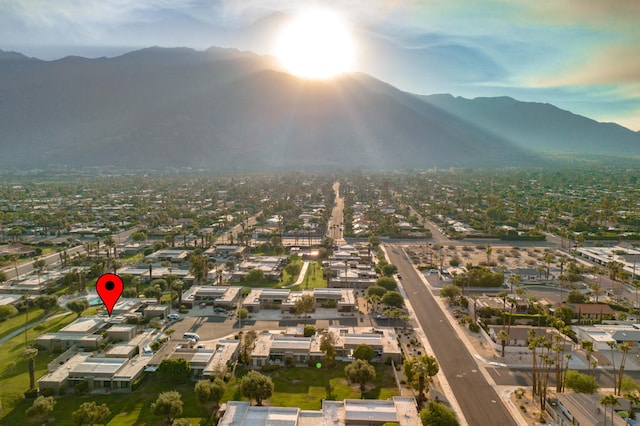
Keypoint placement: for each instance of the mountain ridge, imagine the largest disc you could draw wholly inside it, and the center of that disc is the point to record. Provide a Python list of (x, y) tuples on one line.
[(227, 109)]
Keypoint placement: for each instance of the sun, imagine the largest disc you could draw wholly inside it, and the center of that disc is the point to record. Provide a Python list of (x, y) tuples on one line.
[(316, 44)]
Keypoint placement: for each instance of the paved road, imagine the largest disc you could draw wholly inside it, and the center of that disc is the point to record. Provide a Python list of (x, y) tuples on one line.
[(26, 267), (479, 401), (335, 228), (522, 376)]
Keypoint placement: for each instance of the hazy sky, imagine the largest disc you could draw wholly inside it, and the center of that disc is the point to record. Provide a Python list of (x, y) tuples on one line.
[(581, 55)]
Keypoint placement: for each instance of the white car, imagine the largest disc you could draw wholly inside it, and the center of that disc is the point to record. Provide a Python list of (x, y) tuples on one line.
[(173, 316)]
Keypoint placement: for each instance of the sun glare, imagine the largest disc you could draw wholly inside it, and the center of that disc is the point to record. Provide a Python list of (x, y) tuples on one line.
[(316, 44)]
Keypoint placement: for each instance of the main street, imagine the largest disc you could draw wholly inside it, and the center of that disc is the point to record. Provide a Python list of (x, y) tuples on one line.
[(26, 268), (335, 227), (478, 400)]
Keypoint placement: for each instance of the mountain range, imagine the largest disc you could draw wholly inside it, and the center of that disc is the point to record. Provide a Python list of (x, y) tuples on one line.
[(222, 109)]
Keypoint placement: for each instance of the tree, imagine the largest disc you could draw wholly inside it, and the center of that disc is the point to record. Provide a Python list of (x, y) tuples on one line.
[(209, 393), (451, 292), (328, 346), (255, 276), (389, 269), (90, 413), (360, 372), (393, 298), (388, 283), (152, 292), (436, 414), (632, 397), (138, 237), (565, 314), (376, 290), (364, 352), (78, 306), (305, 304), (178, 286), (425, 368), (198, 266), (38, 266), (31, 354), (607, 400), (168, 404), (504, 338), (176, 370), (256, 386), (41, 409), (3, 277), (575, 296), (624, 348), (309, 330), (580, 383), (46, 302), (7, 311)]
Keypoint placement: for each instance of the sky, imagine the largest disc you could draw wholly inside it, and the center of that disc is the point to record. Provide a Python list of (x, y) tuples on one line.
[(580, 55)]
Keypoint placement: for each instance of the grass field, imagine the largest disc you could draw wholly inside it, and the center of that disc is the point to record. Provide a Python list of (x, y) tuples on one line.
[(14, 323), (14, 370), (303, 387), (313, 278)]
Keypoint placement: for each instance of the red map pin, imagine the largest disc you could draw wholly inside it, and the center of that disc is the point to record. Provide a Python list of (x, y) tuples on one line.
[(109, 288)]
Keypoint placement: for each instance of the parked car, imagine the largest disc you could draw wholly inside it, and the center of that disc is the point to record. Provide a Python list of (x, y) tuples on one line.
[(173, 317)]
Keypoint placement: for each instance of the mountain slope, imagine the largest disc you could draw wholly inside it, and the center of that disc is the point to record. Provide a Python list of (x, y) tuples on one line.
[(223, 109), (229, 110), (542, 127)]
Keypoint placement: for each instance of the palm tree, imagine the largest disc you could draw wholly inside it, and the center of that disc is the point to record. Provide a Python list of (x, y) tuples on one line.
[(425, 368), (596, 288), (39, 265), (624, 348), (178, 286), (504, 338), (14, 259), (136, 282), (611, 400), (634, 400), (150, 264), (31, 354), (587, 346), (26, 299)]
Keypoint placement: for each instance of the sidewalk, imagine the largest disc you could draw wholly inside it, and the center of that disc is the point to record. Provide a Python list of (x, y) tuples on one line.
[(467, 340), (440, 377)]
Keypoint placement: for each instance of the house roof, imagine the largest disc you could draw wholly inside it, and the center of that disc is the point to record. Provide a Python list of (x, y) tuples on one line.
[(592, 309)]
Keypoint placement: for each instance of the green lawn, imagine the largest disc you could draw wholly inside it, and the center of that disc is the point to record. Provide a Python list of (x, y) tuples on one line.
[(14, 373), (313, 278), (126, 408), (303, 387), (306, 387), (17, 322)]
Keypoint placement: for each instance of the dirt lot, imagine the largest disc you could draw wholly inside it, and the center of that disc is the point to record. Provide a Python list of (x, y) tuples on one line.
[(479, 254)]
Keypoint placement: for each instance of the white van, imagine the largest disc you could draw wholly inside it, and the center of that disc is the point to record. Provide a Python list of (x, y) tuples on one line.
[(193, 336)]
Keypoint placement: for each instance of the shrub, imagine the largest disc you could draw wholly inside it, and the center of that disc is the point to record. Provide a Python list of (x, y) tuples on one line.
[(269, 368), (81, 388), (474, 328), (47, 392), (31, 393)]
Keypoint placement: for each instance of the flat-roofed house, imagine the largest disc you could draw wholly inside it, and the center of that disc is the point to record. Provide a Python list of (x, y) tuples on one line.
[(223, 296), (108, 374), (397, 410), (279, 350), (174, 256), (226, 352)]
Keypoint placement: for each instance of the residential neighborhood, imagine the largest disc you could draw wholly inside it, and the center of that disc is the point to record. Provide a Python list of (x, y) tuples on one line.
[(302, 288)]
